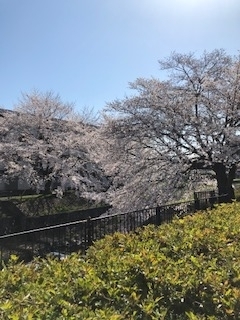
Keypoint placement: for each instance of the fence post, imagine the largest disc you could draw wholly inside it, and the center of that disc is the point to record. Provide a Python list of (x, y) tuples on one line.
[(89, 232), (196, 202), (158, 216), (212, 198)]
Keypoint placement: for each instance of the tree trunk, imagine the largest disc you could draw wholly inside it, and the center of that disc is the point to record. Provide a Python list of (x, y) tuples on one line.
[(224, 181), (47, 187)]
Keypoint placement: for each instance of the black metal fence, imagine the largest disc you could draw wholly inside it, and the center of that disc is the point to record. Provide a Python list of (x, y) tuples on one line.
[(62, 239), (19, 222)]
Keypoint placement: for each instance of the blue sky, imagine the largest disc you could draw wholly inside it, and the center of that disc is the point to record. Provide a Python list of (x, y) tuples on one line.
[(89, 50)]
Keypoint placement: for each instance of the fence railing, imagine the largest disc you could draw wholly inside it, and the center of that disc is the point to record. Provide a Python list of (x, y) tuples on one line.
[(19, 222), (62, 239)]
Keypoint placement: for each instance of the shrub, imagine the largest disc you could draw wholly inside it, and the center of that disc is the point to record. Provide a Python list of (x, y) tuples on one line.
[(188, 269)]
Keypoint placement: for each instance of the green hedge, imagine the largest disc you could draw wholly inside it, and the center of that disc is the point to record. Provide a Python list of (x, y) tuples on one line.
[(188, 269)]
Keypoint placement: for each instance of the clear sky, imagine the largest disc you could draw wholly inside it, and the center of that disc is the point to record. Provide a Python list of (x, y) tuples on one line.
[(89, 50)]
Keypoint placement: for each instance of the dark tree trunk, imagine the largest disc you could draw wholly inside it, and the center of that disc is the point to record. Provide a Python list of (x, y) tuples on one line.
[(224, 181), (44, 173), (47, 188)]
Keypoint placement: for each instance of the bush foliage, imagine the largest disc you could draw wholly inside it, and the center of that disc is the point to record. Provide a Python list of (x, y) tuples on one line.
[(188, 269)]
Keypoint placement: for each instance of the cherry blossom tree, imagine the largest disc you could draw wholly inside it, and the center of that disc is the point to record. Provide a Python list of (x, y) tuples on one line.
[(46, 105), (177, 132), (40, 145)]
